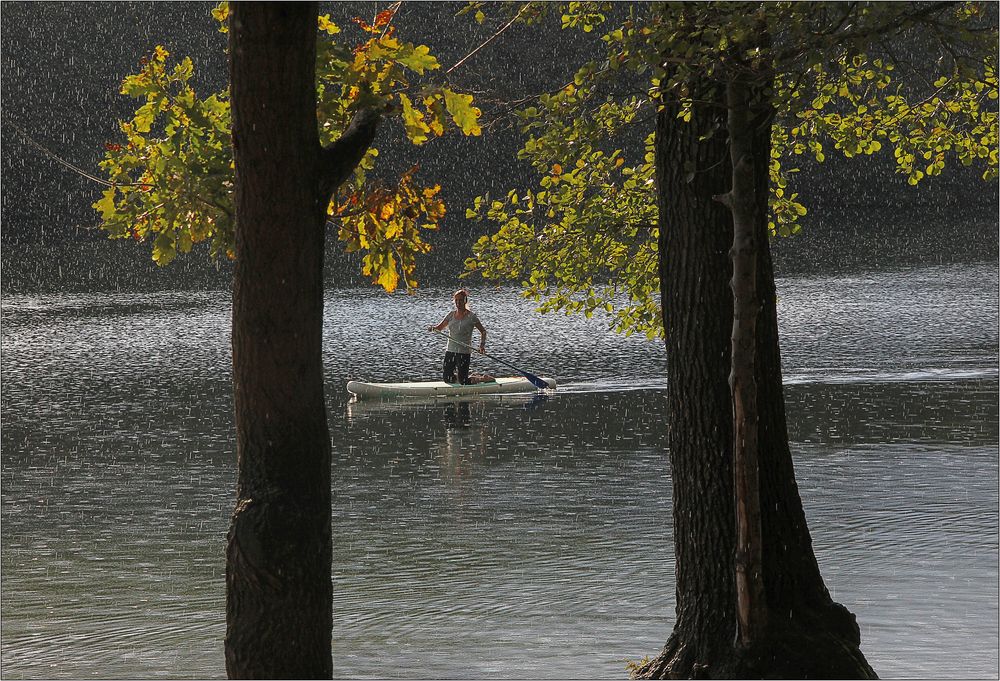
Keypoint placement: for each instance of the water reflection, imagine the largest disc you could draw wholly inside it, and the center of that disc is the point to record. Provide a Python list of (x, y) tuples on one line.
[(506, 535), (494, 518), (960, 412), (463, 445)]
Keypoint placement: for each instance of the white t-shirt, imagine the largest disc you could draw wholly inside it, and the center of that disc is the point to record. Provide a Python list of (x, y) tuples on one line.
[(460, 330)]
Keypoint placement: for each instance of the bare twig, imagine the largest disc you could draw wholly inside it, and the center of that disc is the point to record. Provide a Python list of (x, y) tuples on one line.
[(490, 39), (107, 183), (58, 159)]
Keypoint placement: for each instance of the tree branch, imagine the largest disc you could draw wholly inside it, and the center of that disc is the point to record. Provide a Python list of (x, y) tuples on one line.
[(108, 183), (894, 25), (490, 39), (339, 160)]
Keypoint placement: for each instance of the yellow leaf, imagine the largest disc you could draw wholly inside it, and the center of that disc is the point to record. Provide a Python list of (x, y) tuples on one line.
[(389, 43), (413, 121), (326, 25), (393, 229), (388, 277), (436, 126), (221, 14), (221, 11)]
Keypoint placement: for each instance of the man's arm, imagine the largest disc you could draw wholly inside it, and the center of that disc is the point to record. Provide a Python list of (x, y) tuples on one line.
[(442, 325), (482, 336)]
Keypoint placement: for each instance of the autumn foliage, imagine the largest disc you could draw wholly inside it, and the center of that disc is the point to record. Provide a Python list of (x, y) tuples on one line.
[(172, 173)]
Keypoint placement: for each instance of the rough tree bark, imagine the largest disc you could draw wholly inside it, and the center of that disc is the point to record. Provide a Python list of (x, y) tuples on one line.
[(807, 634), (279, 599)]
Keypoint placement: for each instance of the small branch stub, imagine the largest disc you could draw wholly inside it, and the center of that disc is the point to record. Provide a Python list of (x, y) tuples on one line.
[(725, 199)]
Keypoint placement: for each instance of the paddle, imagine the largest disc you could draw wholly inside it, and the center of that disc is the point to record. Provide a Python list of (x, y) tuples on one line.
[(535, 381)]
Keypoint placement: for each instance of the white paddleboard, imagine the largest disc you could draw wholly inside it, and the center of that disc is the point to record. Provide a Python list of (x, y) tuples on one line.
[(511, 384)]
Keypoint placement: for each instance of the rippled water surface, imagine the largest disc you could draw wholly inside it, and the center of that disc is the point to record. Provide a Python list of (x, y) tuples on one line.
[(508, 537)]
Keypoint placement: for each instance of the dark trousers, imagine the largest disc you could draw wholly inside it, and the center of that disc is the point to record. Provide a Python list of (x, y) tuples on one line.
[(456, 367)]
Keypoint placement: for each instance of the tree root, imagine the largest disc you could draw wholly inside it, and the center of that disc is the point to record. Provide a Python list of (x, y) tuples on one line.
[(821, 648), (675, 661)]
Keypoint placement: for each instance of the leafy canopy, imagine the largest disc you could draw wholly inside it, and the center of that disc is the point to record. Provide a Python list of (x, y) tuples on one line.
[(584, 236), (172, 174)]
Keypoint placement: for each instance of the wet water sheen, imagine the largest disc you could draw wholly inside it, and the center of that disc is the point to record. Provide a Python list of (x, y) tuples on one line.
[(507, 537)]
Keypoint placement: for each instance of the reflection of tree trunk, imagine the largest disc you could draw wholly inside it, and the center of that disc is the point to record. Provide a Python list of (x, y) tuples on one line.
[(279, 598), (807, 635)]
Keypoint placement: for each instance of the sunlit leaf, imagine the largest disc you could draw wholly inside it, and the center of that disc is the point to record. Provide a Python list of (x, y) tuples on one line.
[(106, 206), (328, 26), (163, 250), (417, 58), (465, 115), (413, 121)]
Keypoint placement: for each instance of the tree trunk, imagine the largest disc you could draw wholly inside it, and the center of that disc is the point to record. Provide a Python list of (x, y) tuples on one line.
[(751, 603), (807, 634), (279, 598), (278, 554)]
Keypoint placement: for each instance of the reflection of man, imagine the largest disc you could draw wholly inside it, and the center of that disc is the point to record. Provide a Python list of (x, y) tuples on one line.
[(464, 442), (458, 415)]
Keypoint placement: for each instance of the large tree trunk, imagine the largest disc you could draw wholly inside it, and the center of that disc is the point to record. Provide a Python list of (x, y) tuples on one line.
[(279, 599), (807, 635)]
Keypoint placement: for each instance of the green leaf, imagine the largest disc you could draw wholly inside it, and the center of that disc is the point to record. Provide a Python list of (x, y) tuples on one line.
[(184, 241), (106, 206), (465, 115), (144, 116), (137, 86), (417, 58), (163, 249)]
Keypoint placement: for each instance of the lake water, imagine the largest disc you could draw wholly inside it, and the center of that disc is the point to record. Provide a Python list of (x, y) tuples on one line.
[(505, 537)]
